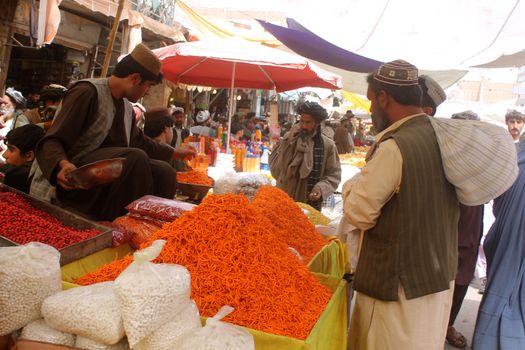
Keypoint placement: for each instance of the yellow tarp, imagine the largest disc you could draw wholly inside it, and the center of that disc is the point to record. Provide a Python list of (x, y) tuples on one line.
[(356, 100), (212, 31), (329, 333), (332, 260)]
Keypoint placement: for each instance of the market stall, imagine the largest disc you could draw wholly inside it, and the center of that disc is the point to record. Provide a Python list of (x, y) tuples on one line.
[(238, 252)]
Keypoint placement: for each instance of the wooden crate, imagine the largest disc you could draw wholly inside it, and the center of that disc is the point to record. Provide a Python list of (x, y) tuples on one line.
[(74, 251)]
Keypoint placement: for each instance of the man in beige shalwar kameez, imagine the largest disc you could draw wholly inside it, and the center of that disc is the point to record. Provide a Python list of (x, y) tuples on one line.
[(408, 213)]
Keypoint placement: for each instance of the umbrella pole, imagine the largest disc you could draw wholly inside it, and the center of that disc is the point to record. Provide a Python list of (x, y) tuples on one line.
[(230, 110)]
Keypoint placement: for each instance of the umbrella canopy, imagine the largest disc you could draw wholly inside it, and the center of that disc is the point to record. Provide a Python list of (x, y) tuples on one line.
[(236, 63)]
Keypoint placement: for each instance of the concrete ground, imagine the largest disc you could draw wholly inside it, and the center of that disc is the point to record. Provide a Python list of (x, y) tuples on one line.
[(466, 320)]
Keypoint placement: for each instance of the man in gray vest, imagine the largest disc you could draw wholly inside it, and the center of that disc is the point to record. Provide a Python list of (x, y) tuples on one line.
[(408, 214), (96, 122)]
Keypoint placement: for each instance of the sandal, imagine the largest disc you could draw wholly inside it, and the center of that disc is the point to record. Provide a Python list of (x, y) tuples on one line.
[(455, 338)]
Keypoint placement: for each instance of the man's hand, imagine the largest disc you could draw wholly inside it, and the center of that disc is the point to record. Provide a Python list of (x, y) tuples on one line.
[(184, 152), (65, 168), (315, 195)]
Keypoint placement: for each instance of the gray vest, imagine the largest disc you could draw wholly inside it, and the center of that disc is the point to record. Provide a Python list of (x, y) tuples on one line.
[(414, 241), (89, 141)]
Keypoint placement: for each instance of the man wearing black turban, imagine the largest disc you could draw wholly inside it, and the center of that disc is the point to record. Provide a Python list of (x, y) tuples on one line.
[(305, 163)]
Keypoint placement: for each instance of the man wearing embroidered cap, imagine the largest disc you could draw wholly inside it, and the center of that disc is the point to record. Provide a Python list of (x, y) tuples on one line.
[(96, 122), (407, 213)]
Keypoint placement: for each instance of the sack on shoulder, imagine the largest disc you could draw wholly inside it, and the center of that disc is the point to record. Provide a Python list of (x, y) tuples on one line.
[(479, 158)]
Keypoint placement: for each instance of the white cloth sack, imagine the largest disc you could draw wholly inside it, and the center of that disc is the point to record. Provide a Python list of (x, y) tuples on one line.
[(479, 158)]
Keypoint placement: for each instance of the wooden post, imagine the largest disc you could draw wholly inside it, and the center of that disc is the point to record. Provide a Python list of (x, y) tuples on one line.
[(112, 35)]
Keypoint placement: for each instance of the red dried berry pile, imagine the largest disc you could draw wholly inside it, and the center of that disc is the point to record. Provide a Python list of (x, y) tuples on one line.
[(22, 223)]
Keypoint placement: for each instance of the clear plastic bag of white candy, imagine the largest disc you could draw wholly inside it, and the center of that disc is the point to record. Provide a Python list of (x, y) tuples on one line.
[(89, 344), (90, 311), (39, 331), (168, 337), (29, 274), (218, 335), (150, 294)]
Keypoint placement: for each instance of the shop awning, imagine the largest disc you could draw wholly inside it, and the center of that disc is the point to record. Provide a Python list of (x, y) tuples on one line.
[(309, 45), (207, 29), (108, 8), (352, 67)]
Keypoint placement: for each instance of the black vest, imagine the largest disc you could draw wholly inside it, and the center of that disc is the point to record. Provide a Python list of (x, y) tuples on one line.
[(414, 241)]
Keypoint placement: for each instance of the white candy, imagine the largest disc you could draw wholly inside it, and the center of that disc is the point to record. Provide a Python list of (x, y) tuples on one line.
[(217, 335), (168, 336), (150, 294), (39, 331), (91, 311), (88, 344), (28, 275)]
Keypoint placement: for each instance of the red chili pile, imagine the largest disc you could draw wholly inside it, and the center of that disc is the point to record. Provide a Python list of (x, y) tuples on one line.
[(22, 223)]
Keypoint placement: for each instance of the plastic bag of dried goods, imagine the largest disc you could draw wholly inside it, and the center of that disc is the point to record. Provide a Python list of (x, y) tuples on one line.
[(218, 335), (88, 344), (91, 311), (159, 208), (150, 294), (249, 184), (29, 274), (120, 235), (168, 336), (140, 230), (227, 183), (148, 219), (39, 331)]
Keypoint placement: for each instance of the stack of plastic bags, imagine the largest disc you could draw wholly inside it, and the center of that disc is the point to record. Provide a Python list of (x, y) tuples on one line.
[(148, 307)]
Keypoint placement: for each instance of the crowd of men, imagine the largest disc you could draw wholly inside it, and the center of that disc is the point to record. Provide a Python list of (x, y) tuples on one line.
[(409, 281)]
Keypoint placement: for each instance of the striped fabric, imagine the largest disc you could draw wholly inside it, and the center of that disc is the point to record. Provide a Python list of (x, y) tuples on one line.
[(479, 159)]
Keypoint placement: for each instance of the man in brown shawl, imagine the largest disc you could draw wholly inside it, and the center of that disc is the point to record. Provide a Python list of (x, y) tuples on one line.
[(305, 163)]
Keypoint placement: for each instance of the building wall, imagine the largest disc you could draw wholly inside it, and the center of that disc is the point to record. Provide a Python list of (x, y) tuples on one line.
[(6, 19)]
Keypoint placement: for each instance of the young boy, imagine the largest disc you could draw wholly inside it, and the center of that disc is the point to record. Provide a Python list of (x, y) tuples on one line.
[(19, 156)]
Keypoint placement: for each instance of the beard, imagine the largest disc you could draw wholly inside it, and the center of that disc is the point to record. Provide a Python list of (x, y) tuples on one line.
[(306, 133), (7, 112), (380, 121)]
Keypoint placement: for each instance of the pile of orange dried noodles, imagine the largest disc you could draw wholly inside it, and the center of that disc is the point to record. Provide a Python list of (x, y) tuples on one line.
[(289, 222), (235, 259), (194, 177)]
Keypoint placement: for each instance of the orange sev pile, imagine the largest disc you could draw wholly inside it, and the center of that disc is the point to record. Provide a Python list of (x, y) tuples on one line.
[(290, 223), (194, 177), (235, 259)]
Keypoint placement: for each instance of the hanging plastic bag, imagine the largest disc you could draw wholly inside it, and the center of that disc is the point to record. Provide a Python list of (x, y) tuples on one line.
[(151, 294), (39, 331), (28, 275), (91, 311), (479, 158), (168, 337), (218, 335)]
